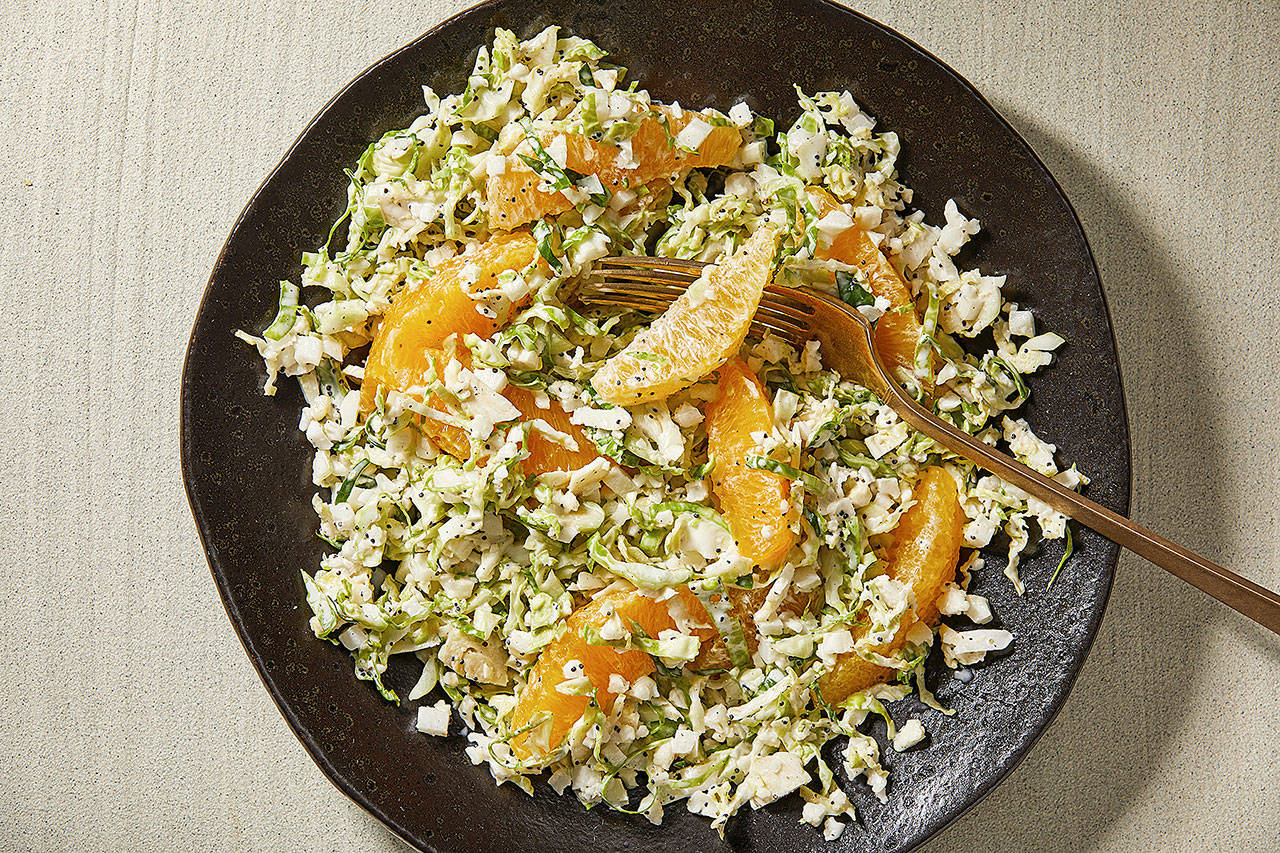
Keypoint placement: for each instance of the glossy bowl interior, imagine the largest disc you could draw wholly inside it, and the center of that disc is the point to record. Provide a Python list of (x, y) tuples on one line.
[(247, 468)]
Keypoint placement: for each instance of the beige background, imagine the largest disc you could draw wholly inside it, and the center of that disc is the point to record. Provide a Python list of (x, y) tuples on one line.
[(130, 717)]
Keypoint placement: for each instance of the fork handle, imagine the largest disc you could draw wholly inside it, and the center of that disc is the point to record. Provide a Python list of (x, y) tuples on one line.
[(1258, 603)]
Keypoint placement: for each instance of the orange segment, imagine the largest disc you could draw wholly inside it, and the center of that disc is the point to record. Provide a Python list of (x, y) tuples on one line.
[(754, 502), (925, 549), (702, 328), (514, 198), (655, 156), (853, 674), (546, 455), (449, 438), (926, 543), (540, 697), (429, 310), (899, 330), (408, 347), (745, 603)]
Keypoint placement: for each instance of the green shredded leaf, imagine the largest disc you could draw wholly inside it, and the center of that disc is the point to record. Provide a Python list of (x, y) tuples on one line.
[(643, 575), (286, 314), (853, 290), (678, 507), (811, 482), (328, 619), (719, 606), (352, 480), (1066, 555)]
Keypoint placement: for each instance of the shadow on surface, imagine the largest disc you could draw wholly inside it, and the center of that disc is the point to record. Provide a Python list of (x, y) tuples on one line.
[(1093, 764), (389, 842)]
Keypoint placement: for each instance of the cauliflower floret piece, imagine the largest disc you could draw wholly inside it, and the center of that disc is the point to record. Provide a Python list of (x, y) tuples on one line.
[(774, 776), (484, 662)]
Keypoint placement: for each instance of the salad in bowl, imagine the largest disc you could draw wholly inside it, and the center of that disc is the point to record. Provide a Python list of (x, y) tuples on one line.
[(658, 559)]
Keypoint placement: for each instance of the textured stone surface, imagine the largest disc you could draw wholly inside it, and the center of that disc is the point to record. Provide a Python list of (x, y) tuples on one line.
[(136, 133)]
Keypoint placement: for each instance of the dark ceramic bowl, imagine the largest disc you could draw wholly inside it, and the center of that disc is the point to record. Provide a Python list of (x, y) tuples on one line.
[(247, 468)]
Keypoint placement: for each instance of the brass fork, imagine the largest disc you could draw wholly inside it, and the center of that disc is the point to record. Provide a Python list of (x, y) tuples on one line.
[(798, 315)]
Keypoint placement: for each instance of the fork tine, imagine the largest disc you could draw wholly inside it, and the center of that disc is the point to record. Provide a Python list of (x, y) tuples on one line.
[(648, 276), (777, 311), (660, 299), (760, 325), (760, 329), (675, 272), (780, 299), (775, 301), (649, 285), (652, 263), (638, 303)]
